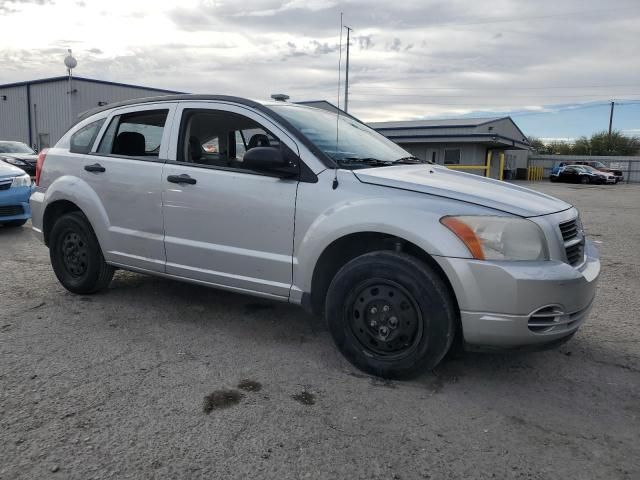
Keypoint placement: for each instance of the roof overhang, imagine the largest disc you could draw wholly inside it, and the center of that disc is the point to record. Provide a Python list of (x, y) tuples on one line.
[(490, 140)]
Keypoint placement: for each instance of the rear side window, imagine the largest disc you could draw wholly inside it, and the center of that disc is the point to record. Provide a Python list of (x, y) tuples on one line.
[(83, 139), (136, 134)]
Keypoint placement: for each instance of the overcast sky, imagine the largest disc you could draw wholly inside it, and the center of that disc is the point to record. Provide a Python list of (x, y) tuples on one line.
[(409, 59)]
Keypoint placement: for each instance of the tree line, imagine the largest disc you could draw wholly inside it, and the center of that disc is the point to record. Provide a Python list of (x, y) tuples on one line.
[(600, 143)]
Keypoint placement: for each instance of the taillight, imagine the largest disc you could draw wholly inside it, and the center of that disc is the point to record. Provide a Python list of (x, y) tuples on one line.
[(41, 156)]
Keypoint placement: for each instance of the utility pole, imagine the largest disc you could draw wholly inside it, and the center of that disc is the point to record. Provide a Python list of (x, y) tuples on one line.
[(346, 78), (610, 117)]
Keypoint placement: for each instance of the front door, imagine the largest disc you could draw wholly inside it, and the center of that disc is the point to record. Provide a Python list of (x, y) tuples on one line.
[(224, 224)]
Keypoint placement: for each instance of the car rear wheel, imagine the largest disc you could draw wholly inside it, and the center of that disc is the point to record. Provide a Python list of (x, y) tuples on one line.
[(584, 180), (390, 314), (76, 256)]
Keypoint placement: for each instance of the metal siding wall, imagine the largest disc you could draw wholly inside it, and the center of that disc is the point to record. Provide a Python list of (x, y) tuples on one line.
[(14, 123), (89, 94), (50, 110), (52, 103)]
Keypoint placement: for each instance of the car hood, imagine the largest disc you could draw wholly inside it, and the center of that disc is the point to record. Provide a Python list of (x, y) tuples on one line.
[(27, 157), (443, 182), (9, 171)]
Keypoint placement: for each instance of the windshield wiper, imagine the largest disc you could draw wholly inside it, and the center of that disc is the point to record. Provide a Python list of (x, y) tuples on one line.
[(366, 160), (410, 160)]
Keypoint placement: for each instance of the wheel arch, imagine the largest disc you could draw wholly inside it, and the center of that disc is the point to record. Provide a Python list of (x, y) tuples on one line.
[(69, 193), (346, 248), (52, 212)]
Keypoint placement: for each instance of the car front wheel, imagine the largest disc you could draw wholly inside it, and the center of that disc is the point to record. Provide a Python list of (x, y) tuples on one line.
[(390, 314), (76, 256)]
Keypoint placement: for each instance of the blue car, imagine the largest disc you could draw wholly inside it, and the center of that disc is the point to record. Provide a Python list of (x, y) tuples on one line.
[(15, 190)]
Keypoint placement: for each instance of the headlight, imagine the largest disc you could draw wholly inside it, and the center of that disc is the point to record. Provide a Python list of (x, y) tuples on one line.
[(15, 161), (21, 181), (499, 238)]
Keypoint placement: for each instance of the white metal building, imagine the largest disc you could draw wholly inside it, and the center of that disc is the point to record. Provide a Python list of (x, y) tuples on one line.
[(38, 112), (461, 141)]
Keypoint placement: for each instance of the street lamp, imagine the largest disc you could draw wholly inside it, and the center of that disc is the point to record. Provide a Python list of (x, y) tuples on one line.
[(70, 62)]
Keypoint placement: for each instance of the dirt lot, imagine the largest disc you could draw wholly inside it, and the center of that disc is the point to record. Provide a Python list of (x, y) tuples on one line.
[(114, 385)]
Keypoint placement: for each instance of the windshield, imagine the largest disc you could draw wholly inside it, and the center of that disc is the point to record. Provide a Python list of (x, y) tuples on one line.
[(354, 145), (14, 147)]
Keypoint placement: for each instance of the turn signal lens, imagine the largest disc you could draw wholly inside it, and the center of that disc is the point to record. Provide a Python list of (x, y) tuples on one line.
[(499, 238), (466, 234)]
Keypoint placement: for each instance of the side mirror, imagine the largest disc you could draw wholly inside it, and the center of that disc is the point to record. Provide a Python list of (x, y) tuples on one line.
[(267, 159)]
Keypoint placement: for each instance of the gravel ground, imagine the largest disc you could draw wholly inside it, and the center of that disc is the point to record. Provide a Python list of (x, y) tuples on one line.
[(158, 379)]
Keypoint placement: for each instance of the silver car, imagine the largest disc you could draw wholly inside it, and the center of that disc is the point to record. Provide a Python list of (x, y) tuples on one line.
[(292, 203)]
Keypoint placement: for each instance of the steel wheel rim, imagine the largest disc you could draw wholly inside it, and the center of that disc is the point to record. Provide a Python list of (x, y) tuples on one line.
[(75, 254), (384, 318)]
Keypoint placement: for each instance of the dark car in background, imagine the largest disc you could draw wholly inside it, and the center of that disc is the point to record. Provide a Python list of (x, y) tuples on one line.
[(594, 164), (19, 155), (578, 174)]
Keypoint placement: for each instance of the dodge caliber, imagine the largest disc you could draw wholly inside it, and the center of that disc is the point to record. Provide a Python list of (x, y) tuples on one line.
[(401, 256)]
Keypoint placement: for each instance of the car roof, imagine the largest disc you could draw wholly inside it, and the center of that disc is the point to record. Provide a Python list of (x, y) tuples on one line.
[(176, 98)]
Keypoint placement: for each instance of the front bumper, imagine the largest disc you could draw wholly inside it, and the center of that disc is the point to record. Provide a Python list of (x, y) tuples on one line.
[(15, 197), (503, 304)]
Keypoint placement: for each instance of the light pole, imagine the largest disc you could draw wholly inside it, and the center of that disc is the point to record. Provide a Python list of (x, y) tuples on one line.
[(70, 62)]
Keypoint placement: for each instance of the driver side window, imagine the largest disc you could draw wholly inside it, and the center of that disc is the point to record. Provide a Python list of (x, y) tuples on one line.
[(219, 139)]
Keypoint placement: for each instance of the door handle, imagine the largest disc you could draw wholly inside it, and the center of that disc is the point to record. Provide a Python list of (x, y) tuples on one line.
[(96, 167), (184, 178)]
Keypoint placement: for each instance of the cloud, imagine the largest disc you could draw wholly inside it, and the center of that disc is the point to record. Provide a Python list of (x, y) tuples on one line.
[(12, 6), (411, 59), (395, 45)]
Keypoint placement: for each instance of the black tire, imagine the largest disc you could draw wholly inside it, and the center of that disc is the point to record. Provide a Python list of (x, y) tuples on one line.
[(584, 180), (425, 322), (14, 223), (76, 256)]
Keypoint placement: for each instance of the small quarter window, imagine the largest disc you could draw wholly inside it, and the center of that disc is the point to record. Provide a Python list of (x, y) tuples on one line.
[(137, 134), (83, 139)]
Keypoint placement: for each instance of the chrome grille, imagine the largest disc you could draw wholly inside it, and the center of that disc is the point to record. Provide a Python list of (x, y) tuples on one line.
[(573, 241)]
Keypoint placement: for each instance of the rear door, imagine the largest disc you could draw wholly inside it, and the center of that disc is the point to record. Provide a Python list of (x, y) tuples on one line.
[(124, 169), (568, 174), (224, 224)]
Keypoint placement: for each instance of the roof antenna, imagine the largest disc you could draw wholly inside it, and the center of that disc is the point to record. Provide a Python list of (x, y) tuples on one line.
[(335, 172)]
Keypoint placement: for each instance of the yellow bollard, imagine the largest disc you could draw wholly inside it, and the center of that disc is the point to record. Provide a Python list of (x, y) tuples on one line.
[(487, 172), (501, 174)]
